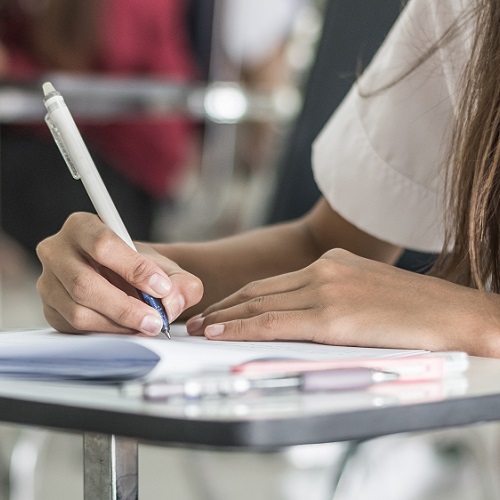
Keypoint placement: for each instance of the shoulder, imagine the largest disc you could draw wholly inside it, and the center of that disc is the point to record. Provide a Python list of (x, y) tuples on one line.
[(386, 144)]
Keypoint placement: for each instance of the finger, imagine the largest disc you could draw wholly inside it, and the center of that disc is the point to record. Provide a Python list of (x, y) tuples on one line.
[(88, 302), (101, 323), (272, 325), (269, 286), (102, 245), (302, 299), (187, 290)]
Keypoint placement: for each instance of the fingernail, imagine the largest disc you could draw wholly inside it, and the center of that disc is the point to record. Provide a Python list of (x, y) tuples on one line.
[(214, 330), (175, 307), (194, 324), (151, 325), (159, 285)]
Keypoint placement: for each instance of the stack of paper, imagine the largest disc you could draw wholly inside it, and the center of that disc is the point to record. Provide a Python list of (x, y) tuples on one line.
[(48, 355)]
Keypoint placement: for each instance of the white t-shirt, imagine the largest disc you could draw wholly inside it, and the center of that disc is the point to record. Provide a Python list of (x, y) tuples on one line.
[(379, 160)]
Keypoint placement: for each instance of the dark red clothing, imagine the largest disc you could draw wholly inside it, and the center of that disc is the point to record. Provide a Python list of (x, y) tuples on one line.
[(142, 38)]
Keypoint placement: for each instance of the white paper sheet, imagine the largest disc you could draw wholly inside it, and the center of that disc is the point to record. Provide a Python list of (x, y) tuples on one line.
[(46, 354)]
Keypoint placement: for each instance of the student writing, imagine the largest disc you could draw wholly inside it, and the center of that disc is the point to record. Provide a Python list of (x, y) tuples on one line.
[(410, 160)]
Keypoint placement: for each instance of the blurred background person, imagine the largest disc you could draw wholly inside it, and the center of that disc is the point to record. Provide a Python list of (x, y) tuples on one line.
[(141, 159), (256, 39), (252, 46)]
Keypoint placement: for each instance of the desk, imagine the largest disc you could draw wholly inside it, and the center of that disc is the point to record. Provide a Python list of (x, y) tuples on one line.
[(113, 424)]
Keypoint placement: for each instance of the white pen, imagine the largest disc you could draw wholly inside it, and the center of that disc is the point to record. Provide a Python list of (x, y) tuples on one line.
[(230, 385), (81, 166)]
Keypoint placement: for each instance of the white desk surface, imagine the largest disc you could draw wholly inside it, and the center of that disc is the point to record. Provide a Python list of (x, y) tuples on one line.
[(258, 422)]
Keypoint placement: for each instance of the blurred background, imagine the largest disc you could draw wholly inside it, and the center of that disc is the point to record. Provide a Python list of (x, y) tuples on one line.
[(200, 116)]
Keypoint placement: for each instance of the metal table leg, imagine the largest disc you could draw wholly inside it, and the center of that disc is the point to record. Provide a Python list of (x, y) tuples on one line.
[(110, 467)]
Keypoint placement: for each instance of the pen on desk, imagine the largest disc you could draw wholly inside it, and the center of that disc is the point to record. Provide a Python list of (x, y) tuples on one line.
[(81, 166), (227, 385), (426, 366)]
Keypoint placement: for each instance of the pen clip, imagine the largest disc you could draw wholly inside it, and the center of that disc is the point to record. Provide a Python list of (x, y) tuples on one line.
[(60, 144)]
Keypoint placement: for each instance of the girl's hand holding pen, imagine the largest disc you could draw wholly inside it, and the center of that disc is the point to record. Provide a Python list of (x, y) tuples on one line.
[(90, 277)]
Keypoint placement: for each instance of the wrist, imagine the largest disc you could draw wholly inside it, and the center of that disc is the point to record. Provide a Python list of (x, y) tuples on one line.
[(483, 332)]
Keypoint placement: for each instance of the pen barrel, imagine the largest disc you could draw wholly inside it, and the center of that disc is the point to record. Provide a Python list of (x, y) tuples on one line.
[(340, 379), (79, 161)]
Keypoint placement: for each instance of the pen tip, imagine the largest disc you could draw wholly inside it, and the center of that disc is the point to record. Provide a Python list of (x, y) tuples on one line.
[(48, 88), (166, 332)]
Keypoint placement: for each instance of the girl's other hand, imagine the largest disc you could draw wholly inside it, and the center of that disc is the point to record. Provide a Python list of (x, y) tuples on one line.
[(344, 299)]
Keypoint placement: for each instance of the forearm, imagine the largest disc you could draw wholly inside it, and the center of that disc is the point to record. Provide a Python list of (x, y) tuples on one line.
[(226, 265)]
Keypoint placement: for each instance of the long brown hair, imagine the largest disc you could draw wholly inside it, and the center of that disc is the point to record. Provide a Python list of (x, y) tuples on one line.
[(471, 253), (471, 250)]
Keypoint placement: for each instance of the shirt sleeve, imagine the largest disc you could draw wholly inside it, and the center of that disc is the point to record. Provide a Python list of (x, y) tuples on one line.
[(379, 160)]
